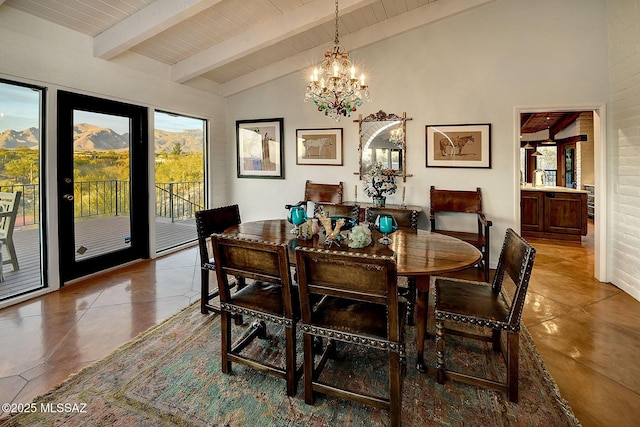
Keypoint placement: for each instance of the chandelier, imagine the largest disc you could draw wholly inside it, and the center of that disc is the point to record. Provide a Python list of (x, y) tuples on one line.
[(334, 87)]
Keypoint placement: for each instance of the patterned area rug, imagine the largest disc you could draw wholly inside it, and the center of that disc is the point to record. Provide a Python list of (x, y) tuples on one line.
[(170, 375)]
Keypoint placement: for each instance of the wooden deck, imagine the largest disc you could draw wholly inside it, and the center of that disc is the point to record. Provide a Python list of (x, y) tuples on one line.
[(98, 235)]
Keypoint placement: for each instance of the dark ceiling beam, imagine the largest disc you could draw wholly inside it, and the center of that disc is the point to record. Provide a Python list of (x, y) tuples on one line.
[(562, 123)]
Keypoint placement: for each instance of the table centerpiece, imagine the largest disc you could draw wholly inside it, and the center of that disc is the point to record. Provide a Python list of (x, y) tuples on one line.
[(378, 182)]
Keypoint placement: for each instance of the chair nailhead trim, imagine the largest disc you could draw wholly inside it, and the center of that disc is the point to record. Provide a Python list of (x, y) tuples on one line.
[(352, 254), (357, 339), (476, 321), (288, 323)]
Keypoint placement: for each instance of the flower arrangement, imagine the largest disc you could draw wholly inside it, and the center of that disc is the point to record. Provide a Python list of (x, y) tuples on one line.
[(379, 181), (359, 237)]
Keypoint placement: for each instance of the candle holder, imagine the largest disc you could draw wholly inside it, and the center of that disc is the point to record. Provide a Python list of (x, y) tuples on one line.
[(385, 224)]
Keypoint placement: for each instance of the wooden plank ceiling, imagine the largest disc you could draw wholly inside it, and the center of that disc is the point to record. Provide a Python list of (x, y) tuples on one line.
[(553, 121), (235, 44)]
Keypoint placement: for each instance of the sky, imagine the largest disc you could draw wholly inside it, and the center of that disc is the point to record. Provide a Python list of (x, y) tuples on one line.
[(19, 107), (19, 110)]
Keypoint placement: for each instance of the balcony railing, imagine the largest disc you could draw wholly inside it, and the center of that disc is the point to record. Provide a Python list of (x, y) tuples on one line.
[(29, 212), (179, 200), (174, 200)]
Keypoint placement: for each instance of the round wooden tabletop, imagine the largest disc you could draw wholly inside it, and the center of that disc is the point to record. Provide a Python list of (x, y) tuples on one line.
[(417, 252)]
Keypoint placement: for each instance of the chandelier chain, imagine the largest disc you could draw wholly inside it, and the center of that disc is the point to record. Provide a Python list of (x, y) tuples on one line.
[(337, 39)]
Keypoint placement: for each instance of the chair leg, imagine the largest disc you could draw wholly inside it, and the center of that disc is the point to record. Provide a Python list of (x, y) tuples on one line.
[(495, 340), (395, 388), (290, 357), (225, 333), (485, 267), (513, 347), (308, 368), (240, 283), (441, 371), (204, 291)]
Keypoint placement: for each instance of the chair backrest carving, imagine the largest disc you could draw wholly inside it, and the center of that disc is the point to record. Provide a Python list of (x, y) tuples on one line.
[(454, 201), (516, 260)]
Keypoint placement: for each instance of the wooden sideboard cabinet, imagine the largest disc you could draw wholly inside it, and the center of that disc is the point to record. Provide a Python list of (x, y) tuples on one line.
[(553, 212)]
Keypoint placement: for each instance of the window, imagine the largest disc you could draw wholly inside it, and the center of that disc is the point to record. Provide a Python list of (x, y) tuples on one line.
[(180, 143), (21, 130), (548, 162)]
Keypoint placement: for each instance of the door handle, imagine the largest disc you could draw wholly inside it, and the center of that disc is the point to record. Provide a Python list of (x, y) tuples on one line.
[(68, 197)]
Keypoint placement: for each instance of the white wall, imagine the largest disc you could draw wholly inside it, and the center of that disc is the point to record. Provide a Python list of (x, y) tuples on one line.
[(470, 68), (38, 52), (624, 137)]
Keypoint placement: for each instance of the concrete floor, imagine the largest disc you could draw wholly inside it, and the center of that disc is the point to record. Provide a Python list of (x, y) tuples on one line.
[(587, 332)]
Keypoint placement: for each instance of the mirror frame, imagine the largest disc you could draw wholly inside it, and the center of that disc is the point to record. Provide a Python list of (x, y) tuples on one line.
[(381, 116)]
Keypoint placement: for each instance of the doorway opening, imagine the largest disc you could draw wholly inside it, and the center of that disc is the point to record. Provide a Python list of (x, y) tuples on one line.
[(565, 147)]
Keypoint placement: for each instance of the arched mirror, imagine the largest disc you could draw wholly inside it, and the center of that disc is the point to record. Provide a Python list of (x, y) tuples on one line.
[(382, 139)]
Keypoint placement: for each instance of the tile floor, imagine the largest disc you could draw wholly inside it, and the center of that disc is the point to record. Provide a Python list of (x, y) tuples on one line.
[(588, 333)]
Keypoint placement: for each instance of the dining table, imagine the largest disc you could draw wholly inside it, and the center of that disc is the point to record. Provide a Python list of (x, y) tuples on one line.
[(419, 254)]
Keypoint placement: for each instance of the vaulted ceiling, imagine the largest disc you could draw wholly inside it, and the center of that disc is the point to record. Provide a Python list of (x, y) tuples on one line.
[(235, 44)]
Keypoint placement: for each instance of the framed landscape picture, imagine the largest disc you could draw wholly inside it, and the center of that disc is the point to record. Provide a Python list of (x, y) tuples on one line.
[(260, 150), (319, 147), (459, 146)]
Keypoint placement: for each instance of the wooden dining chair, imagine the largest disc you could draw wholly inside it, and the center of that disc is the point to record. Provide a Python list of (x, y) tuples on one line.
[(445, 202), (208, 222), (359, 304), (332, 209), (407, 219), (320, 193), (268, 296), (481, 304)]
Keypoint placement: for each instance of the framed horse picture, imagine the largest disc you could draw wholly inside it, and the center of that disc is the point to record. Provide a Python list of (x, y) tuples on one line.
[(319, 147), (459, 146)]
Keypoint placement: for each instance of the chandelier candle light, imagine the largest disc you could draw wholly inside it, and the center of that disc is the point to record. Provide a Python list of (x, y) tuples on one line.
[(334, 87)]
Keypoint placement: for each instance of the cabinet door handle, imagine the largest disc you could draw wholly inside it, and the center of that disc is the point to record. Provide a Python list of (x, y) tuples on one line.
[(551, 195)]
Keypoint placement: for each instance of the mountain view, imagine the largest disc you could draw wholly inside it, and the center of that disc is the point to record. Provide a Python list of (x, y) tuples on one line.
[(16, 139), (93, 138)]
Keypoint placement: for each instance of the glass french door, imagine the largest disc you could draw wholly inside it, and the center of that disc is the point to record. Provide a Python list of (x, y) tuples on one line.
[(23, 266), (102, 184), (570, 166)]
